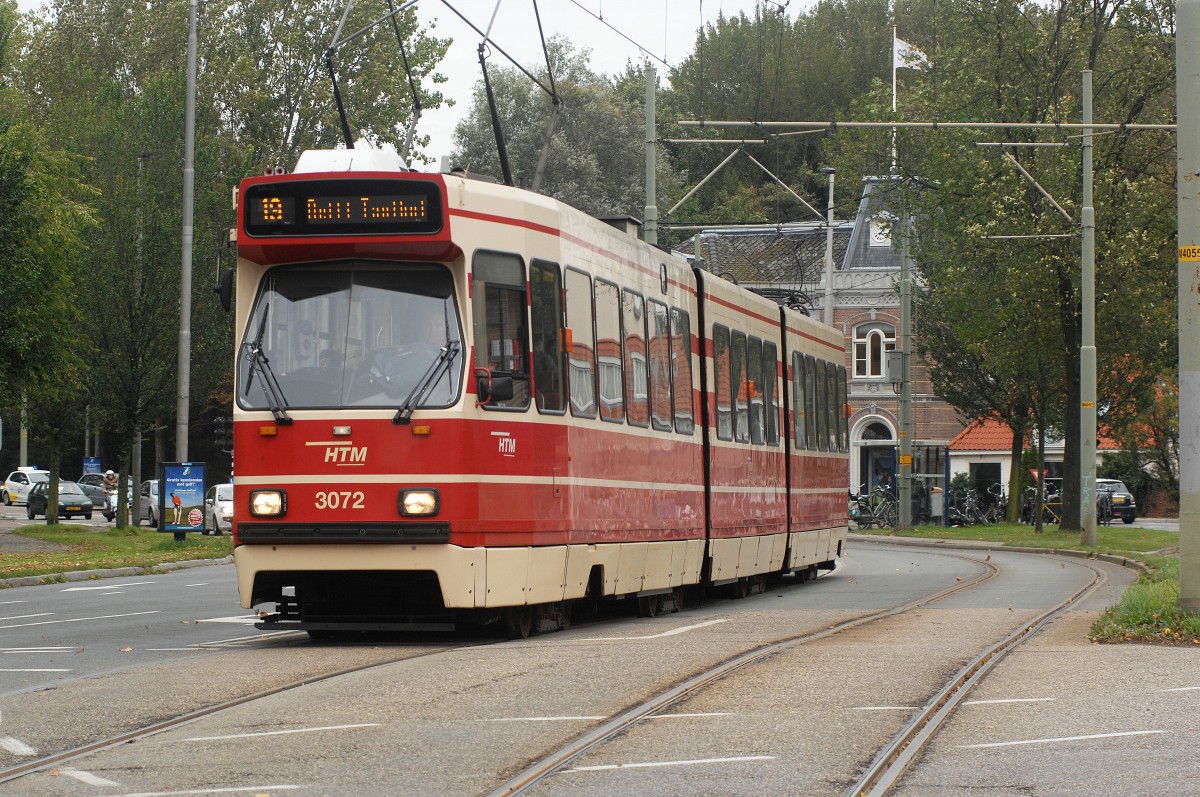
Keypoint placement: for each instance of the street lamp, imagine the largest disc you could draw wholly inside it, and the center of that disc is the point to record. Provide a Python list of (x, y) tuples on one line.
[(829, 248)]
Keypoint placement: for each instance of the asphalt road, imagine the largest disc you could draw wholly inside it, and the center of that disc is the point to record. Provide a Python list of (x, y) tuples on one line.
[(451, 715)]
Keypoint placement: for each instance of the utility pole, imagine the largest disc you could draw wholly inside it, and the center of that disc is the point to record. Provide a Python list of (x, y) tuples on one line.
[(904, 466), (1087, 351), (184, 361), (650, 230), (829, 249), (1187, 99)]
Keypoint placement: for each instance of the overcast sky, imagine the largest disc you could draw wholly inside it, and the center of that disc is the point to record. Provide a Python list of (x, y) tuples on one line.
[(666, 28)]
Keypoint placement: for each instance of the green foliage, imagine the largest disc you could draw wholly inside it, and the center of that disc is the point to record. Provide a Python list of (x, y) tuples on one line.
[(1149, 611)]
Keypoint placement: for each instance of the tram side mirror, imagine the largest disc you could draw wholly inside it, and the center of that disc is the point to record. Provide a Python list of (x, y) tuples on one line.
[(491, 388), (224, 288)]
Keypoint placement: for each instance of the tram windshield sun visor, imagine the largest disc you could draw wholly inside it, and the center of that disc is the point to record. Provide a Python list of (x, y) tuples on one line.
[(352, 334)]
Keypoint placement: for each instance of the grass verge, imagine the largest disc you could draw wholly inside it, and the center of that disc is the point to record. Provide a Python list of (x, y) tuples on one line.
[(1148, 611), (130, 546)]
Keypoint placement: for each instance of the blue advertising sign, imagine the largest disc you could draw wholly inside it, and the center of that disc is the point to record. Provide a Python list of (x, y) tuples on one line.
[(181, 497), (91, 464)]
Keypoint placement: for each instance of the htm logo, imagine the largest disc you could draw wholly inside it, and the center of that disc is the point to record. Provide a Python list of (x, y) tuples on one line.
[(341, 455), (508, 444)]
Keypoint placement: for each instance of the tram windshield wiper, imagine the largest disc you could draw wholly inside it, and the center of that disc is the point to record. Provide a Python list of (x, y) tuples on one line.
[(432, 374), (259, 364)]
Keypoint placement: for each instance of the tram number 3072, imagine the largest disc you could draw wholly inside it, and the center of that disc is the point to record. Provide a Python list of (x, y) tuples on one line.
[(341, 500)]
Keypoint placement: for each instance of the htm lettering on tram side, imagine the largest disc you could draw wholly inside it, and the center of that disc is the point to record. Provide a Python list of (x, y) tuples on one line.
[(346, 455)]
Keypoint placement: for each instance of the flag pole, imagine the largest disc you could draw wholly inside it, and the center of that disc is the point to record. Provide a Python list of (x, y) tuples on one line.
[(893, 98)]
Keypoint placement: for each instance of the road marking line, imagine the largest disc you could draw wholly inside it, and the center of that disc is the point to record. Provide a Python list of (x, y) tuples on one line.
[(672, 632), (16, 746), (87, 777), (280, 733), (1182, 689), (223, 790), (201, 584), (78, 619), (1010, 700), (31, 670), (109, 586), (1058, 739), (26, 616), (693, 762), (5, 603), (541, 719), (43, 649), (884, 708), (241, 618)]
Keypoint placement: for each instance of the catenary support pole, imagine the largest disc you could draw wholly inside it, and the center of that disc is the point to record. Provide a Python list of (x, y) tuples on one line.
[(184, 376), (650, 231), (1087, 349), (828, 317), (1187, 98), (904, 466)]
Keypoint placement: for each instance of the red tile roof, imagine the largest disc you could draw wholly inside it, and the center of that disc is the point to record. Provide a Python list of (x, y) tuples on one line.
[(992, 435), (983, 435)]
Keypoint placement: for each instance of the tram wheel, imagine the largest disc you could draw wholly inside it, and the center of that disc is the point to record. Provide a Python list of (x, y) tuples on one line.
[(518, 622), (648, 606)]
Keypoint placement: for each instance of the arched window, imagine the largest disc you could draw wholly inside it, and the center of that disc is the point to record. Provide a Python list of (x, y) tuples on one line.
[(872, 342)]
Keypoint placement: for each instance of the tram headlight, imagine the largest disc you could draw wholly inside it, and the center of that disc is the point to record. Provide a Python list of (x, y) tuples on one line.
[(268, 503), (420, 501)]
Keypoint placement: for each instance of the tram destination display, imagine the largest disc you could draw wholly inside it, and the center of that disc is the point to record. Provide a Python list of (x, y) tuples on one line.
[(343, 207)]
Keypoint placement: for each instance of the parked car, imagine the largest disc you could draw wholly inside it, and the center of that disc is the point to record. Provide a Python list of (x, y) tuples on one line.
[(72, 501), (97, 480), (99, 499), (218, 509), (149, 511), (16, 486), (1123, 505)]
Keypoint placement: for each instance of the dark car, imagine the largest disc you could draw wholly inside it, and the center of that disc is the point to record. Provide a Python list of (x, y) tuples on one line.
[(72, 501), (1121, 500)]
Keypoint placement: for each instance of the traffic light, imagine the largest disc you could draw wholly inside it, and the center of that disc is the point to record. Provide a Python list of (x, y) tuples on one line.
[(223, 434)]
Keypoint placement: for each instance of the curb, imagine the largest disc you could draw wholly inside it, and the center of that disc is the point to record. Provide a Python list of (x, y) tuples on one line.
[(1132, 564), (114, 572)]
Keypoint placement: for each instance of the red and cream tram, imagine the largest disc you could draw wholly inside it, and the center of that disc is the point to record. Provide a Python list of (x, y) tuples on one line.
[(456, 399)]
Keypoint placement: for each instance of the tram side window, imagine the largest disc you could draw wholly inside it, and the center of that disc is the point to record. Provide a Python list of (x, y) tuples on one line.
[(799, 405), (722, 386), (637, 375), (501, 332), (608, 352), (741, 392), (681, 370), (817, 397), (545, 288), (581, 358), (660, 366), (833, 428), (843, 421), (822, 406), (754, 390), (811, 415), (770, 396)]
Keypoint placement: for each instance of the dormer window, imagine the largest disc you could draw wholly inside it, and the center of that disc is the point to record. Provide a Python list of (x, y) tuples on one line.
[(872, 342)]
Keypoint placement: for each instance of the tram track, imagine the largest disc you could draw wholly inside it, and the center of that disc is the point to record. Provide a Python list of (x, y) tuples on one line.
[(896, 756), (41, 762)]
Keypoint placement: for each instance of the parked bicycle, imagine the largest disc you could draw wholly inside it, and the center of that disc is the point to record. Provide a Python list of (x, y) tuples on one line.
[(875, 508)]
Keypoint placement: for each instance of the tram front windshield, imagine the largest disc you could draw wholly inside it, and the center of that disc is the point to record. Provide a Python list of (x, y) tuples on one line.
[(352, 335)]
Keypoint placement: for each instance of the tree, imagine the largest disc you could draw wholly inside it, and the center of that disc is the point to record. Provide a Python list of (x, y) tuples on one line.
[(599, 140), (1016, 62)]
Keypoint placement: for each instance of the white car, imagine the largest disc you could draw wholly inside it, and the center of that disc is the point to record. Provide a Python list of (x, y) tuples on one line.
[(218, 509), (16, 486), (149, 506)]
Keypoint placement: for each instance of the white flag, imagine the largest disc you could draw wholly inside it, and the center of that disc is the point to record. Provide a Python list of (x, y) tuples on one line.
[(904, 54)]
